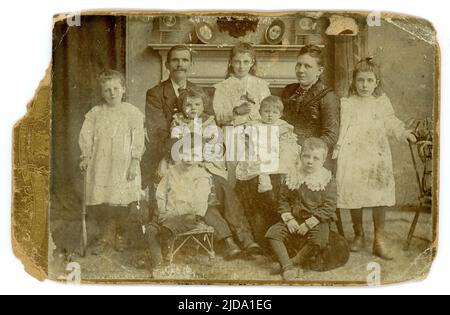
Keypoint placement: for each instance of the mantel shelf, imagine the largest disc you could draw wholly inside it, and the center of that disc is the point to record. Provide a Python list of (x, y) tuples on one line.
[(215, 47), (276, 63)]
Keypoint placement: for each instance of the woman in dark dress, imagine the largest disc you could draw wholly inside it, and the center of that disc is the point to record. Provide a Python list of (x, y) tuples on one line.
[(310, 106)]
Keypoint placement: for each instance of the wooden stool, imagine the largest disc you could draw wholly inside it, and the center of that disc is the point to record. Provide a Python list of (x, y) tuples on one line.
[(202, 235)]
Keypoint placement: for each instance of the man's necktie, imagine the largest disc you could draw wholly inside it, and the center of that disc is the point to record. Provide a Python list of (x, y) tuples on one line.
[(181, 90)]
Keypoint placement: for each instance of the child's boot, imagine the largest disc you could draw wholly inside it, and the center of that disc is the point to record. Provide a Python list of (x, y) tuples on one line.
[(233, 250), (101, 244), (379, 246), (154, 246), (121, 218), (166, 239), (286, 267), (289, 273), (120, 243), (99, 247), (359, 241), (254, 250)]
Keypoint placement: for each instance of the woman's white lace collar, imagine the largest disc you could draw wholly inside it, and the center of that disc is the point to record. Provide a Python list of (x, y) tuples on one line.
[(315, 182)]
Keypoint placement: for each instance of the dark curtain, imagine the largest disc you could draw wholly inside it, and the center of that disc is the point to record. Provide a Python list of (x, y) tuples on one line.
[(349, 50), (80, 53)]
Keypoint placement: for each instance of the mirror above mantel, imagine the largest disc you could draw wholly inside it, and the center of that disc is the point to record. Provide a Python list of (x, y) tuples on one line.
[(276, 63)]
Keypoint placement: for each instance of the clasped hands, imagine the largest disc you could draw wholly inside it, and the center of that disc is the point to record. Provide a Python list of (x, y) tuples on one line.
[(295, 228)]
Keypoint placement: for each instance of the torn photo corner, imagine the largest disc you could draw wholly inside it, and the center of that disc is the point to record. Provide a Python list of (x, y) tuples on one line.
[(294, 148)]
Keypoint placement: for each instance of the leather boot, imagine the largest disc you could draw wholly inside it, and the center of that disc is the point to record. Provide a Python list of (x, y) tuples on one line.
[(233, 250), (289, 273), (154, 246), (379, 246), (359, 242)]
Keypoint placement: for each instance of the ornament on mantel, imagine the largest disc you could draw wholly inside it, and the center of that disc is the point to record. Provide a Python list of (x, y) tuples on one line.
[(342, 26), (203, 33), (237, 27), (308, 31), (275, 32), (169, 28)]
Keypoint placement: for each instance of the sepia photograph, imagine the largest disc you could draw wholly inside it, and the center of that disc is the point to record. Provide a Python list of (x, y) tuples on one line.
[(296, 148)]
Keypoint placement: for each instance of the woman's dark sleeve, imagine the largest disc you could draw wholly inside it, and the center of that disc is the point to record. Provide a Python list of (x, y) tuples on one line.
[(286, 94), (330, 119)]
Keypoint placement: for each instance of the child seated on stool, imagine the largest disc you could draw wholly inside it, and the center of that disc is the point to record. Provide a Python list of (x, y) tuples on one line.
[(307, 207), (188, 193)]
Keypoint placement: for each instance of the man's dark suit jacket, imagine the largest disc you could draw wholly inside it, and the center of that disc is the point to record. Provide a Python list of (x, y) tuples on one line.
[(161, 105)]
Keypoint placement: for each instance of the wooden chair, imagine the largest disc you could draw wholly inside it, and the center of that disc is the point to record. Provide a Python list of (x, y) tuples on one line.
[(423, 151)]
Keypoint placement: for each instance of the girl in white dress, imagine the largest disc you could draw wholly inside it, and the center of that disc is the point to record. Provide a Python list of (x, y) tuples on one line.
[(112, 143), (365, 176), (237, 99)]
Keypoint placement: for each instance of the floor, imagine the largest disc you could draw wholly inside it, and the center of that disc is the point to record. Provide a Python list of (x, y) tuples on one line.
[(114, 267)]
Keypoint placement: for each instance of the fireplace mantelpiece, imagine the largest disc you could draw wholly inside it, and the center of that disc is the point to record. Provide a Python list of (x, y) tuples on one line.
[(276, 63)]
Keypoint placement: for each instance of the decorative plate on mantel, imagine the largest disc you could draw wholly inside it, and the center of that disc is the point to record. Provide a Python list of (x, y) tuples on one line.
[(169, 23), (275, 32), (204, 32)]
